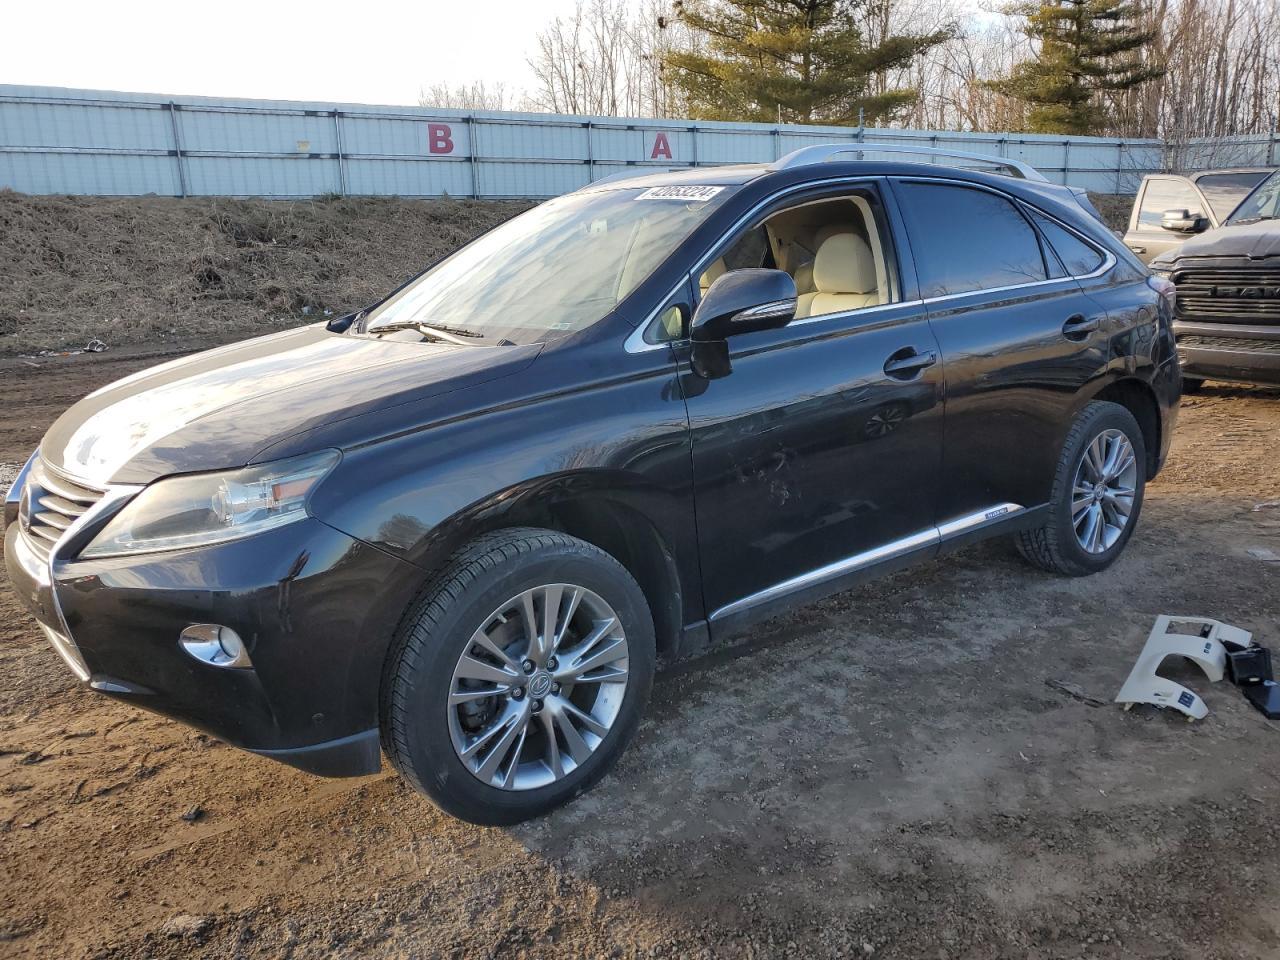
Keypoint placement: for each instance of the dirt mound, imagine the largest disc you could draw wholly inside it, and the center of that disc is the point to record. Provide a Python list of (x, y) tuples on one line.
[(150, 269), (1114, 207)]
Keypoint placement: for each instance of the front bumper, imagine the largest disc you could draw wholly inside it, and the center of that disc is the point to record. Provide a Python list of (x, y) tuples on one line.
[(315, 608), (1226, 351)]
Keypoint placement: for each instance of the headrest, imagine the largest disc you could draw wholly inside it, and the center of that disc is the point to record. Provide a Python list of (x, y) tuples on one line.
[(844, 264), (826, 232)]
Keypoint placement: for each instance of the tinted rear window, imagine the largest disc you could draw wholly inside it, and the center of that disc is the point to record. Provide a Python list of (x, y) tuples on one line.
[(1077, 256), (965, 239)]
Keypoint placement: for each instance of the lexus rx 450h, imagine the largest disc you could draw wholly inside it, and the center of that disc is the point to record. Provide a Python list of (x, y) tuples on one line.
[(460, 527)]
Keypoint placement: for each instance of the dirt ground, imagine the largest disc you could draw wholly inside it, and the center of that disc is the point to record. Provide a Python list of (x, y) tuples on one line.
[(162, 271), (883, 774)]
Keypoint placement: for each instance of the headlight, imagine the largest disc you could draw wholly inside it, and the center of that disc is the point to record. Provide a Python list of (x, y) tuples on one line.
[(213, 507)]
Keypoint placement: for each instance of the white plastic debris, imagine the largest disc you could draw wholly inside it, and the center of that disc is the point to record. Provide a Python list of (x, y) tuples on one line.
[(1199, 640)]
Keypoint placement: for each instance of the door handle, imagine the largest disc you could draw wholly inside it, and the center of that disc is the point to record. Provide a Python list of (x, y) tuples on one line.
[(906, 363), (1137, 248), (1078, 326)]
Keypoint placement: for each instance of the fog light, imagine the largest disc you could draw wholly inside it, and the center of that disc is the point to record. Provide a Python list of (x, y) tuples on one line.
[(215, 644)]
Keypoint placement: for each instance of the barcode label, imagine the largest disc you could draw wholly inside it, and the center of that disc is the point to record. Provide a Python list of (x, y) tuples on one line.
[(680, 193)]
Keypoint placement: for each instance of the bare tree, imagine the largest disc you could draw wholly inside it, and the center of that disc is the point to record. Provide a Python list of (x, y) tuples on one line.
[(605, 60), (951, 76), (465, 96), (1222, 59)]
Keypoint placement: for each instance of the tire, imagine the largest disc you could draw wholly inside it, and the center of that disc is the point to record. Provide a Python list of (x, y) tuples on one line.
[(1068, 543), (1192, 385), (443, 692)]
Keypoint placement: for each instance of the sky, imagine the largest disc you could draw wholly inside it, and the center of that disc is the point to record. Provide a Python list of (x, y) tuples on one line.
[(362, 51)]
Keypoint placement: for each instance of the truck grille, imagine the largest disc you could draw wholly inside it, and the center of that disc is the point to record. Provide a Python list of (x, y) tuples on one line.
[(1236, 295), (51, 503), (1231, 343)]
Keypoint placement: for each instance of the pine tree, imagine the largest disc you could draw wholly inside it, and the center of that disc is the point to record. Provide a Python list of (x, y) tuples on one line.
[(1088, 48), (789, 61)]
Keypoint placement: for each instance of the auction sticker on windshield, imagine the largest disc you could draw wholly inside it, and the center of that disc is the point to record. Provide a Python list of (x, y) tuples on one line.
[(679, 193)]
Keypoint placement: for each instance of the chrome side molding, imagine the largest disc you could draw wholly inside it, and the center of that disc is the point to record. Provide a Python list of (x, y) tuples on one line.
[(932, 536)]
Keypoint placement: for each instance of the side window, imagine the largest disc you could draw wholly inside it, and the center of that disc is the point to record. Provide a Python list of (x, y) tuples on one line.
[(1078, 257), (837, 249), (750, 250), (1165, 194), (671, 323), (966, 239)]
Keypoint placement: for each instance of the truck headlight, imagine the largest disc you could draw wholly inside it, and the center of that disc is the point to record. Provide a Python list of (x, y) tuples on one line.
[(209, 508)]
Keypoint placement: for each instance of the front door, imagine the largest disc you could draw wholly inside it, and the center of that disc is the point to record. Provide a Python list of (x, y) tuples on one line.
[(1145, 236), (822, 445)]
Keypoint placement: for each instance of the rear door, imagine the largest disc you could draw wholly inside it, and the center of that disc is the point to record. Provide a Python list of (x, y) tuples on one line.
[(1146, 237), (1019, 339)]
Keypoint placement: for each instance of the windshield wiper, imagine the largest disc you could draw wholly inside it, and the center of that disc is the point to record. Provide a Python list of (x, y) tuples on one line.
[(455, 335)]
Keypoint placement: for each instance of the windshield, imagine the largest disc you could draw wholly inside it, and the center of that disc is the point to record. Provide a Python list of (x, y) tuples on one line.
[(560, 267), (1262, 204), (1225, 190)]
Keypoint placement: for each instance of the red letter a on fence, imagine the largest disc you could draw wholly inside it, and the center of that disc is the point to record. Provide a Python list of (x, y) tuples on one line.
[(661, 148)]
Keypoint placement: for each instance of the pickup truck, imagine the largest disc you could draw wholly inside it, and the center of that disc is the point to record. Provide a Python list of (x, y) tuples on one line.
[(1170, 208), (1227, 288)]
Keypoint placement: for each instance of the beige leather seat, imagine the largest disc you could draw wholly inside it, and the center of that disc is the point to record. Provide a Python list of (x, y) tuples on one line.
[(804, 273), (844, 277), (715, 270)]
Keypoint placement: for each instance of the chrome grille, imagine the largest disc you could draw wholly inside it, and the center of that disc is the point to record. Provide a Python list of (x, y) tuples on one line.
[(51, 503), (1236, 295), (1231, 343)]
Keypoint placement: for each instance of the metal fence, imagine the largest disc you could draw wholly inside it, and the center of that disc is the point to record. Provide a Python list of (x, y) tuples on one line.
[(60, 141)]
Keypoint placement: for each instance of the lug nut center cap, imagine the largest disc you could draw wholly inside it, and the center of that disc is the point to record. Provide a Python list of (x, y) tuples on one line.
[(540, 685)]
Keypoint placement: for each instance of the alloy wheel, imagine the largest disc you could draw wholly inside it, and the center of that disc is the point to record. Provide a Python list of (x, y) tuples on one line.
[(538, 687), (1103, 491)]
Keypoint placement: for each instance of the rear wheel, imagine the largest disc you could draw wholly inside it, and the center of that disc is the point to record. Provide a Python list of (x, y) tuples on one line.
[(1097, 494), (517, 680), (1192, 385)]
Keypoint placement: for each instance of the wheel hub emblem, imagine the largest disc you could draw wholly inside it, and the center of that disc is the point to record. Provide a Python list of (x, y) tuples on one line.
[(1099, 491), (540, 685)]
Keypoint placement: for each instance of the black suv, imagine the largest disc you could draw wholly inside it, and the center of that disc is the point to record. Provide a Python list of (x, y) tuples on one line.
[(461, 526)]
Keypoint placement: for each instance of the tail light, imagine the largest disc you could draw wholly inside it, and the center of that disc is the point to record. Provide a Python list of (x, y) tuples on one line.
[(1168, 292)]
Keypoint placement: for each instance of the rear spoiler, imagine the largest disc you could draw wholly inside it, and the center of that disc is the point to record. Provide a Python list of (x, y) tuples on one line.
[(1082, 198)]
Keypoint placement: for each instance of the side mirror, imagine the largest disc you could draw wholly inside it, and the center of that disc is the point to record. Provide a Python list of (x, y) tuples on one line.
[(1182, 221), (743, 301)]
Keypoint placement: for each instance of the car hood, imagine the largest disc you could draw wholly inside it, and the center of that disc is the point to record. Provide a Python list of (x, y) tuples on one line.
[(1253, 240), (218, 409)]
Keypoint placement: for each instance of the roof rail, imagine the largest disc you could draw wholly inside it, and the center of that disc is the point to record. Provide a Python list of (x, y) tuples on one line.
[(825, 152)]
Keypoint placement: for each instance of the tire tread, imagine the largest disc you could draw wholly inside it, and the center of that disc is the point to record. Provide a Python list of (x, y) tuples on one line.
[(418, 627), (1041, 546)]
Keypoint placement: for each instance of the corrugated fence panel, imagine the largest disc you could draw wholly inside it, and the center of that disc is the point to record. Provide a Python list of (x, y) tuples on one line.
[(264, 176), (54, 140), (225, 132), (89, 173), (409, 178)]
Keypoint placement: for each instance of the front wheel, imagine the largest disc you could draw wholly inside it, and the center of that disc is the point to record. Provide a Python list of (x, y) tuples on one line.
[(1097, 494), (517, 680)]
